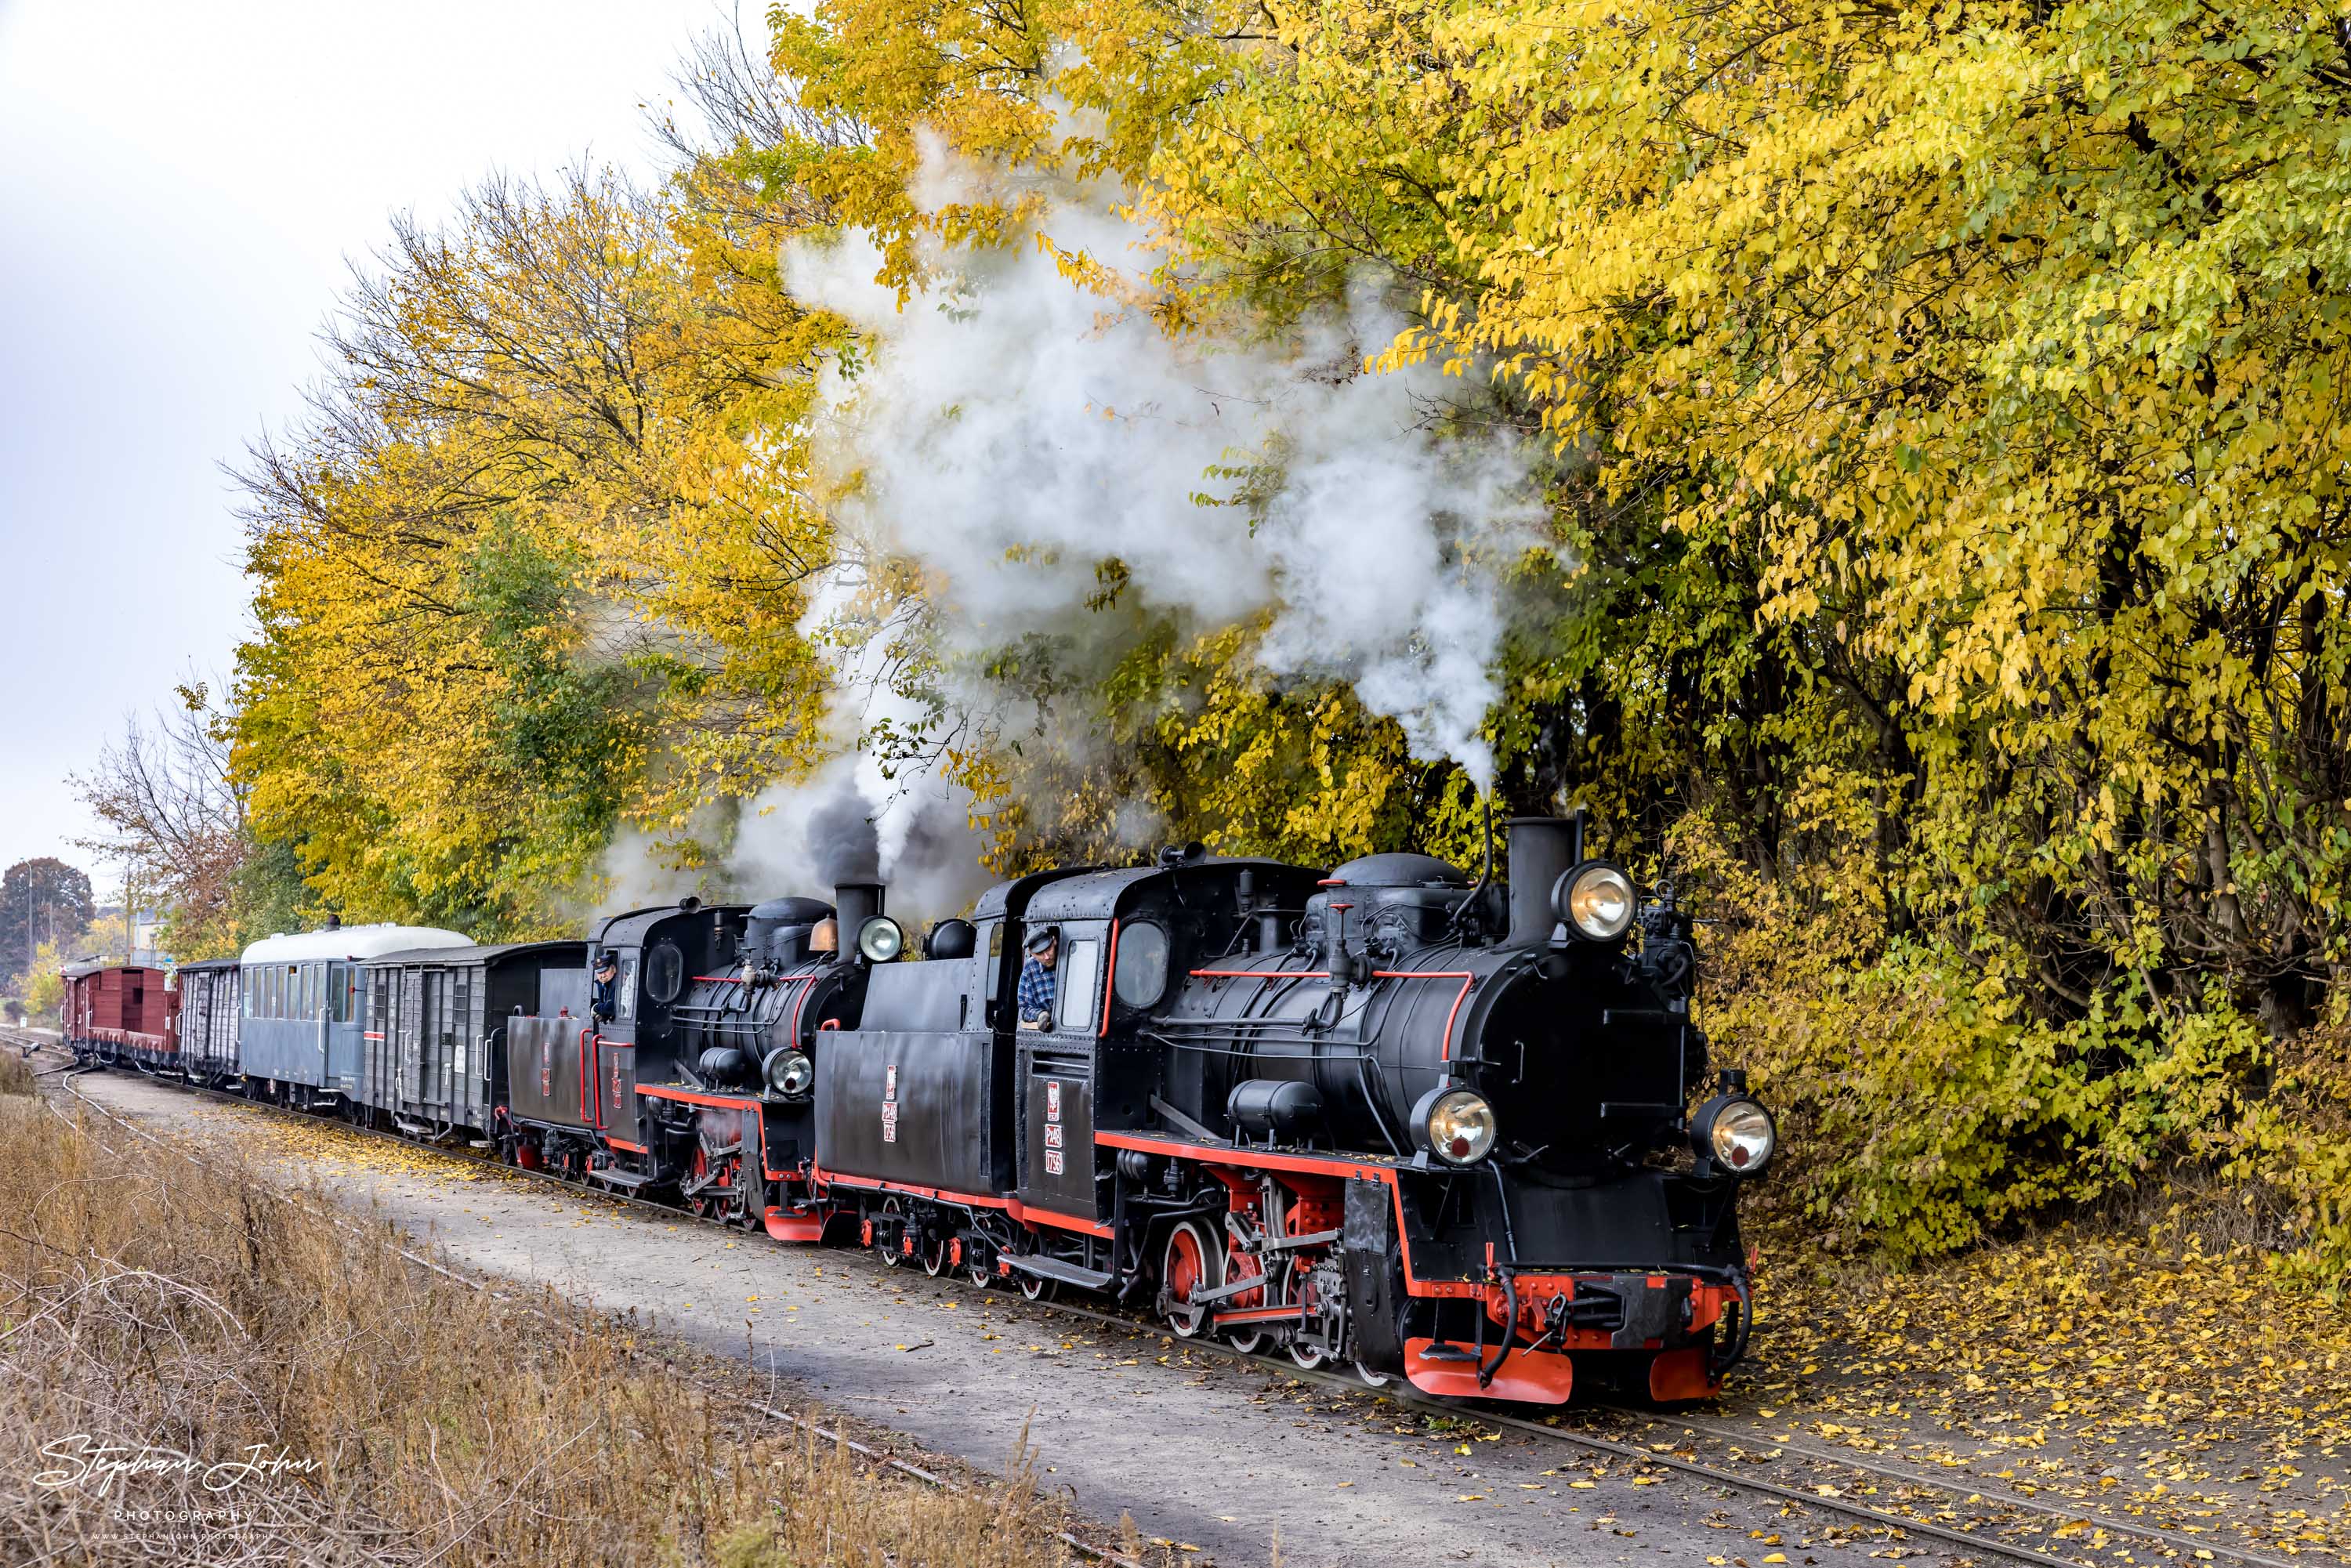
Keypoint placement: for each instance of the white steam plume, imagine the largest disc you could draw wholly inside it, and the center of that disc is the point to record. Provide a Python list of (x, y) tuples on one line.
[(1014, 431)]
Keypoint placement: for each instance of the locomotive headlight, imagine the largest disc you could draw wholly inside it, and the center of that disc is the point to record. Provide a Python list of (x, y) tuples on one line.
[(1595, 900), (880, 940), (789, 1072), (1737, 1133), (1455, 1125)]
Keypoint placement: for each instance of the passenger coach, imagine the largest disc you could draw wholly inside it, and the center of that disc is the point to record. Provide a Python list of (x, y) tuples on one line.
[(303, 1012)]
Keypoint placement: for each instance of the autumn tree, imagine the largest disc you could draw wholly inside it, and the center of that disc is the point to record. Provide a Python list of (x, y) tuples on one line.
[(175, 820), (41, 900), (535, 561), (1938, 420)]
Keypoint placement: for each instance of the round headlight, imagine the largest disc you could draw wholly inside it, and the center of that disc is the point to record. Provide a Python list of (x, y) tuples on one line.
[(1595, 899), (880, 939), (1742, 1137), (789, 1072), (1457, 1125)]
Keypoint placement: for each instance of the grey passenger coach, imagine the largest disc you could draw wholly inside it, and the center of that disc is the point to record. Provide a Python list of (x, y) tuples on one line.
[(303, 1010)]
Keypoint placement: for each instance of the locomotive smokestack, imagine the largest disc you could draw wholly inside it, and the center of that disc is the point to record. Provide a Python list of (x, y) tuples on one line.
[(1541, 848), (854, 904)]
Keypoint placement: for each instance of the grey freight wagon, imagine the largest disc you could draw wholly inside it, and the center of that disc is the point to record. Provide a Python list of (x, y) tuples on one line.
[(433, 1056)]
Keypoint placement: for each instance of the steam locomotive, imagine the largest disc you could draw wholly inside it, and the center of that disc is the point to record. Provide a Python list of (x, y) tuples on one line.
[(1390, 1116)]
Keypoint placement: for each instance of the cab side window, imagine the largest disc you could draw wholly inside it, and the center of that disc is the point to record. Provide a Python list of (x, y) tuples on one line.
[(1078, 987), (624, 990)]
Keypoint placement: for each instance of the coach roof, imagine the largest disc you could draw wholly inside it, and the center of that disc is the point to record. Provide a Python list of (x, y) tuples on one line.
[(350, 941), (469, 954)]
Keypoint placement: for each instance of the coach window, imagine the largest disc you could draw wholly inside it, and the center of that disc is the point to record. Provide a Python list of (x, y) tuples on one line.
[(250, 986), (1081, 983)]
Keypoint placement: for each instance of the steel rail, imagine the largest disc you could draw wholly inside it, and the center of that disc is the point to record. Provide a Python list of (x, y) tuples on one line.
[(1403, 1395)]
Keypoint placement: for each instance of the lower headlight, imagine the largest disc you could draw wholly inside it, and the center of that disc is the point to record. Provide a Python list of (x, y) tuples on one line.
[(790, 1074), (1739, 1134), (1455, 1125), (880, 939)]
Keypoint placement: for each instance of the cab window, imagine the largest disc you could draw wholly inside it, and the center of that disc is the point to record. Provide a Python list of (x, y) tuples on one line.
[(1140, 977), (624, 989), (1079, 984)]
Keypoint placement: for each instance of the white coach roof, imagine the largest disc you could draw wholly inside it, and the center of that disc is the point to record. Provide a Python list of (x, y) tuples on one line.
[(349, 942)]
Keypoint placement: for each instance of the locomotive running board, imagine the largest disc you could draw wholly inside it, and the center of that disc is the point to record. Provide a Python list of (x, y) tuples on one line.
[(1067, 1274)]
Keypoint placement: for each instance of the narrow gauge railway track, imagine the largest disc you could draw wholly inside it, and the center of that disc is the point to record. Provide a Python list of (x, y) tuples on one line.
[(1956, 1496)]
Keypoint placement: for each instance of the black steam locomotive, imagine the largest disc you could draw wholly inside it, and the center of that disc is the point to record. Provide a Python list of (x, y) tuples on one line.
[(1390, 1115)]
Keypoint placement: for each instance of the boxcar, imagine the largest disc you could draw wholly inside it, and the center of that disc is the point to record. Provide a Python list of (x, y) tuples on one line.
[(432, 1057), (211, 999), (121, 1013), (303, 1013)]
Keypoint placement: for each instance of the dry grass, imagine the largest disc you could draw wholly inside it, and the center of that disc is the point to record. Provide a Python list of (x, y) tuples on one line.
[(16, 1073), (179, 1309)]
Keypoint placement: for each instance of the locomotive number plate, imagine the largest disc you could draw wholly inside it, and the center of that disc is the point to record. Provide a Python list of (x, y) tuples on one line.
[(1052, 1136), (1052, 1162), (1052, 1099), (889, 1123)]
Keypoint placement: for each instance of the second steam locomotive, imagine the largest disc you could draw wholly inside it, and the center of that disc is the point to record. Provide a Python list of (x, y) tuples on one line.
[(1387, 1115)]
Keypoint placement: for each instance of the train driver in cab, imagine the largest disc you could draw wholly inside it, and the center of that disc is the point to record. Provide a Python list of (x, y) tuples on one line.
[(1034, 1000), (600, 999)]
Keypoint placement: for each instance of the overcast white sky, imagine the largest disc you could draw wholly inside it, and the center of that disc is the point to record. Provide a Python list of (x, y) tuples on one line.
[(179, 185)]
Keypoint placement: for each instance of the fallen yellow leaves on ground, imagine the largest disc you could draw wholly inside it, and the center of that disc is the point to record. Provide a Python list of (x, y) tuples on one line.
[(2180, 1388)]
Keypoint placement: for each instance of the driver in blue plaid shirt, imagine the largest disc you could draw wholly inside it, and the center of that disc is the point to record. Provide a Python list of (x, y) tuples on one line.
[(1034, 999)]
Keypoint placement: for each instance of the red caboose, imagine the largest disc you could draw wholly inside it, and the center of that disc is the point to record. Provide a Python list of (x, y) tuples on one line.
[(126, 1014)]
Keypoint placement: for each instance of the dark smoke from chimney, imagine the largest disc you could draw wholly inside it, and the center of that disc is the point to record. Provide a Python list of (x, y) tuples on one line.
[(841, 839)]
